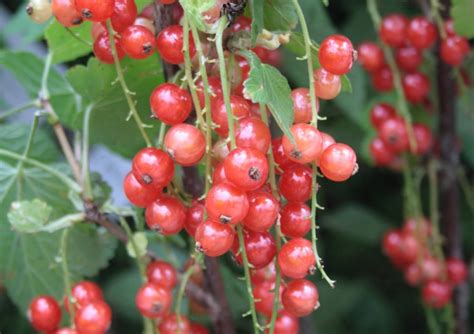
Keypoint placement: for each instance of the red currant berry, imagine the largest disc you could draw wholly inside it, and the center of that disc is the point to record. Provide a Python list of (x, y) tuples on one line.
[(302, 105), (423, 138), (152, 166), (166, 215), (214, 238), (338, 162), (171, 325), (393, 30), (194, 216), (421, 33), (239, 106), (300, 297), (295, 183), (215, 90), (153, 301), (138, 42), (327, 85), (406, 252), (263, 211), (138, 194), (280, 157), (94, 10), (226, 204), (66, 13), (214, 13), (449, 27), (93, 318), (170, 103), (148, 12), (220, 150), (408, 58), (146, 23), (328, 140), (102, 49), (381, 112), (370, 56), (97, 29), (393, 132), (241, 23), (264, 294), (84, 293), (266, 274), (65, 331), (170, 44), (185, 143), (44, 314), (295, 220), (431, 269), (416, 87), (285, 323), (391, 242), (413, 275), (417, 227), (161, 273), (247, 168), (251, 132), (336, 54), (436, 294), (218, 176), (380, 152), (198, 328), (39, 11), (125, 13), (259, 246), (307, 143), (382, 79), (454, 49), (456, 270), (296, 258)]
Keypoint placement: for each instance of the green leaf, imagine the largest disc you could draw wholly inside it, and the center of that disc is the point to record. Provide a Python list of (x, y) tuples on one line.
[(23, 28), (97, 85), (68, 44), (279, 15), (141, 242), (256, 7), (462, 12), (29, 217), (268, 86), (195, 10), (120, 290), (465, 124)]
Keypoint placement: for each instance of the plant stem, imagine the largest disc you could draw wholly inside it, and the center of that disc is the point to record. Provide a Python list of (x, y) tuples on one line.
[(161, 135), (431, 319), (435, 6), (309, 61), (19, 109), (66, 278), (126, 91), (434, 209), (184, 282), (86, 179)]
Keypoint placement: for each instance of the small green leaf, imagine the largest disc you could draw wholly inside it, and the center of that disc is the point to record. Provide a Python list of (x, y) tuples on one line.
[(29, 217), (346, 84), (141, 242), (268, 86), (256, 7), (279, 15), (462, 12)]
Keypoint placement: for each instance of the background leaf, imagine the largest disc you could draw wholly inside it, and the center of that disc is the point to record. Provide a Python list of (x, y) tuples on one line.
[(29, 216), (462, 12)]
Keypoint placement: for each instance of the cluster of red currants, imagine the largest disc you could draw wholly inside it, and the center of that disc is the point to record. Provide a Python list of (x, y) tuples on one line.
[(409, 250), (92, 315), (410, 38)]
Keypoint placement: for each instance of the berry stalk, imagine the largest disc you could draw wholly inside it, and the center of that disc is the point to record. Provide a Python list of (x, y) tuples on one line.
[(66, 278)]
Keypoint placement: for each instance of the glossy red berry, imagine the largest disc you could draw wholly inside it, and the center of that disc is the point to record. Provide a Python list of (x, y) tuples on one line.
[(421, 33), (171, 325), (161, 273), (285, 323), (152, 166), (95, 317), (302, 105), (336, 54), (413, 275), (436, 294), (194, 216), (218, 176), (391, 242), (214, 238), (198, 328), (300, 297), (295, 220), (44, 314), (153, 301), (265, 274), (170, 103), (456, 270), (66, 13), (449, 28), (280, 157), (295, 183), (338, 162), (215, 90), (239, 106), (423, 138), (124, 15), (264, 294), (170, 44), (328, 140), (381, 112), (95, 10), (138, 194), (408, 58), (393, 30), (307, 143), (296, 258), (380, 152), (138, 42), (241, 23), (393, 132), (418, 227), (247, 168), (382, 79), (83, 293), (327, 85), (370, 56), (227, 204), (404, 249), (259, 246), (65, 331), (263, 211), (102, 49), (454, 49), (431, 268), (416, 87), (166, 215), (185, 143), (252, 132)]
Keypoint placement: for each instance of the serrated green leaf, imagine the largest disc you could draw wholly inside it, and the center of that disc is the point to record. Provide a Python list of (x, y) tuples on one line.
[(29, 216), (279, 15), (68, 44), (267, 85), (256, 7), (140, 241), (462, 12)]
